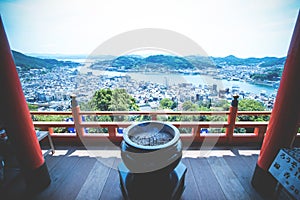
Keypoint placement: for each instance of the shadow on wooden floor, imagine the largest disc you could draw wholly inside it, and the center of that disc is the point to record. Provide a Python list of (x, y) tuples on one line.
[(75, 174)]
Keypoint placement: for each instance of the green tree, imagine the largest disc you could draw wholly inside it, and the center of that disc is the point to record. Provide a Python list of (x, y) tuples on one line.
[(167, 103), (111, 100), (122, 101), (250, 105), (101, 100), (221, 105), (32, 107), (189, 106), (49, 118), (206, 103)]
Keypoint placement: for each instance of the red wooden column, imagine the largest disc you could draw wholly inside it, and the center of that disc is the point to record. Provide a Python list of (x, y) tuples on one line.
[(76, 116), (232, 118), (283, 124), (17, 121)]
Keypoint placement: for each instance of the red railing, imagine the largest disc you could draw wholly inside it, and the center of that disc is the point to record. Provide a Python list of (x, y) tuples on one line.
[(193, 128)]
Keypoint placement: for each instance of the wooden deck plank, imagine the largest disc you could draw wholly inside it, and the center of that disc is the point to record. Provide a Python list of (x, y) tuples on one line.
[(206, 181), (249, 156), (251, 161), (229, 183), (58, 174), (221, 173), (243, 172), (96, 180), (191, 191), (253, 154), (74, 182), (53, 160), (112, 189)]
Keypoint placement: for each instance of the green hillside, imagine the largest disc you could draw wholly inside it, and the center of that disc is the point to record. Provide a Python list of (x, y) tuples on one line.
[(183, 63), (27, 62)]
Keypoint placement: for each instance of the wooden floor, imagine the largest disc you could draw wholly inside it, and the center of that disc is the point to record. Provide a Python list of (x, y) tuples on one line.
[(77, 173)]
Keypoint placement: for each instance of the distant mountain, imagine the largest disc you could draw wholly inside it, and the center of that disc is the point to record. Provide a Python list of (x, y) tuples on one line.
[(29, 62), (201, 61), (272, 61), (183, 63), (262, 62), (171, 61), (152, 62), (127, 62), (57, 56)]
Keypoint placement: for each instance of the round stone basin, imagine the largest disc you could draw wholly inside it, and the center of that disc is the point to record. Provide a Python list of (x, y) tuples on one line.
[(151, 146)]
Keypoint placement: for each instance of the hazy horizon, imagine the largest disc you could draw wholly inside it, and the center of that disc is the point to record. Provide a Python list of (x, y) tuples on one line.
[(57, 55)]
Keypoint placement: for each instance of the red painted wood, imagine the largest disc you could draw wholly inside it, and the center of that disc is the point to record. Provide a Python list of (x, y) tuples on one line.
[(14, 110), (283, 124)]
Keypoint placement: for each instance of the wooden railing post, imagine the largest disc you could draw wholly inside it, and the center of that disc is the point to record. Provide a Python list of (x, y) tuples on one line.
[(231, 118), (196, 133), (112, 132), (76, 116), (50, 129), (260, 133), (153, 116)]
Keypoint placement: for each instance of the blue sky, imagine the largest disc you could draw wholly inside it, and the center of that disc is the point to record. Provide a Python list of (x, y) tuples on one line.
[(252, 28)]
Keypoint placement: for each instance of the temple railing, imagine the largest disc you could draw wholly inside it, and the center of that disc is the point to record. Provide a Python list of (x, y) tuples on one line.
[(88, 125)]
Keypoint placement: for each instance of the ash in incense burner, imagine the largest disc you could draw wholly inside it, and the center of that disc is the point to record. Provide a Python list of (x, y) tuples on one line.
[(151, 139)]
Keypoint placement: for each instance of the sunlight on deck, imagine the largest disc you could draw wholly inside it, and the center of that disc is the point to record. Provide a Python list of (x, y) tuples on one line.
[(185, 153)]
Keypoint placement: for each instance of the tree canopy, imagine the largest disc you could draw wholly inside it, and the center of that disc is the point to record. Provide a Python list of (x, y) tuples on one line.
[(167, 103), (112, 100), (189, 106), (250, 105)]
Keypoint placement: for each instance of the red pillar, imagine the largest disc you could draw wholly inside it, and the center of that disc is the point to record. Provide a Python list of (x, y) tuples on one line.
[(17, 121), (283, 125), (232, 118), (76, 116)]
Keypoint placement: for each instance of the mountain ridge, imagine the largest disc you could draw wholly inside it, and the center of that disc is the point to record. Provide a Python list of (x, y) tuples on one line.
[(187, 62), (131, 62), (29, 62)]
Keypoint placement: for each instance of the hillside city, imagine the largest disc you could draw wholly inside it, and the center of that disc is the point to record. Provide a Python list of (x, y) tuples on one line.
[(51, 88)]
